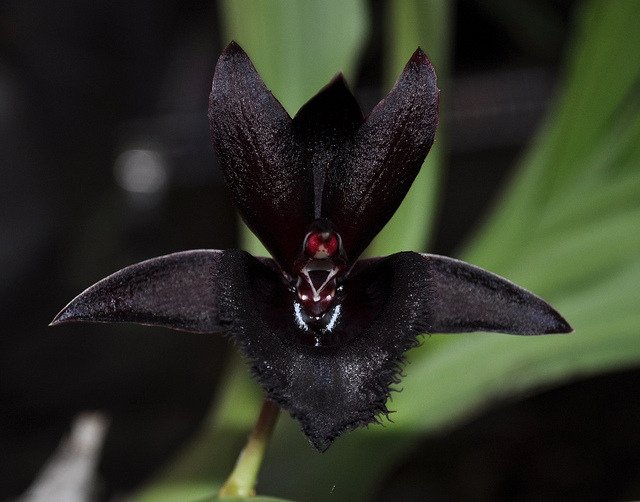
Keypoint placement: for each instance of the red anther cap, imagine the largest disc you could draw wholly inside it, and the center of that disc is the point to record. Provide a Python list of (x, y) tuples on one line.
[(322, 245)]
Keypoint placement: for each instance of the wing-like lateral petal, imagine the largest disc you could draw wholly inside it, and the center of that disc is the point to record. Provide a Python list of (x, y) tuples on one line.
[(375, 168), (463, 298), (253, 137), (177, 291)]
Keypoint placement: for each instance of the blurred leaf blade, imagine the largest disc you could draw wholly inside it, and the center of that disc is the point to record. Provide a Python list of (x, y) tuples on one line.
[(298, 46), (568, 228), (598, 87)]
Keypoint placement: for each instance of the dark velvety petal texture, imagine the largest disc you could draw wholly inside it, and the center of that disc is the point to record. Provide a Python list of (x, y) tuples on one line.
[(344, 384), (177, 291), (253, 136), (461, 298), (374, 170), (321, 127), (335, 374)]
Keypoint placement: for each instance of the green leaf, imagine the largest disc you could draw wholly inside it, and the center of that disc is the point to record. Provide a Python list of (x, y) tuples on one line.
[(569, 229), (246, 499), (589, 140), (192, 492)]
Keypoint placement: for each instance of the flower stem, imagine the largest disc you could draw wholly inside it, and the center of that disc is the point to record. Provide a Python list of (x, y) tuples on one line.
[(242, 480)]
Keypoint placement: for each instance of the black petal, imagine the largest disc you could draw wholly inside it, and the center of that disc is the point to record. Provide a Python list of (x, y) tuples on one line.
[(253, 136), (373, 172), (321, 127), (381, 310), (176, 291), (461, 298), (343, 384)]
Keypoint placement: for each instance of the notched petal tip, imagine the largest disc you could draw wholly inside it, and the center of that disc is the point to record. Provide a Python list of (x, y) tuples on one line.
[(70, 313), (338, 79), (339, 82), (233, 50), (333, 108), (64, 316), (420, 63), (232, 46), (562, 326), (232, 60)]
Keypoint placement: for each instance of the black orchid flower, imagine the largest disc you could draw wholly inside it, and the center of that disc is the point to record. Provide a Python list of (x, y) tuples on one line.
[(324, 333)]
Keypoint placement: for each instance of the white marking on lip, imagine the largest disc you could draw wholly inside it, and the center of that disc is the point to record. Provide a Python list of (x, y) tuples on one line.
[(298, 317), (334, 318), (324, 266)]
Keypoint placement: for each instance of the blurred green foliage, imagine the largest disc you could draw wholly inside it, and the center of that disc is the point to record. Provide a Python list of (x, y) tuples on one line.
[(567, 227)]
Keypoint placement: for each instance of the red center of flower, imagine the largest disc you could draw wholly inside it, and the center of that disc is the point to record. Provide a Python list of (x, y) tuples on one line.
[(318, 268), (321, 245)]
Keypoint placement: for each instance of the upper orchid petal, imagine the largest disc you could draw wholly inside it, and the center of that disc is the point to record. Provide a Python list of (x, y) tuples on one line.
[(257, 152), (177, 291), (321, 127), (375, 168), (328, 162)]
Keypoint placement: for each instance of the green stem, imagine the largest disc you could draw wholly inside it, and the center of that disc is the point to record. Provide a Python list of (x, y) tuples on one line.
[(242, 480)]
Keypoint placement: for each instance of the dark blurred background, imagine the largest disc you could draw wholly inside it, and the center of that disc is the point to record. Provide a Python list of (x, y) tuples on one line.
[(106, 161)]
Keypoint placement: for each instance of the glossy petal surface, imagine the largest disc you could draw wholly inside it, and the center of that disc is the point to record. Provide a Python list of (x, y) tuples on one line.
[(328, 161), (254, 138), (177, 291), (375, 168)]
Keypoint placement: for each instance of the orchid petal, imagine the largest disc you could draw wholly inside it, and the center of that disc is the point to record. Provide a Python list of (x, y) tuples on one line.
[(334, 373), (464, 298), (321, 127), (254, 138), (176, 291), (316, 189), (374, 170), (342, 384)]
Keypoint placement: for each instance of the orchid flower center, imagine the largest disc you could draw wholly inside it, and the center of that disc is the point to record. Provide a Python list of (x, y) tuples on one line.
[(318, 267)]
